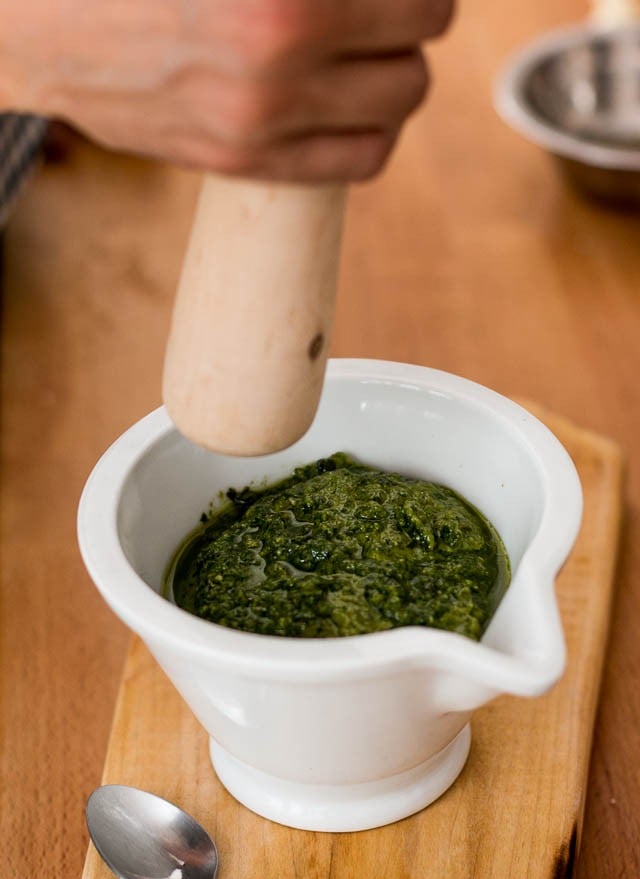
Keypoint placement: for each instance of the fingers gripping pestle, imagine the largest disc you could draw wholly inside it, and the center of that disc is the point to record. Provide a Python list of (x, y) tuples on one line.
[(252, 319)]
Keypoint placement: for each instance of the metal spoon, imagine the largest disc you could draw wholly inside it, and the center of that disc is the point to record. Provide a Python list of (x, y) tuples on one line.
[(142, 836)]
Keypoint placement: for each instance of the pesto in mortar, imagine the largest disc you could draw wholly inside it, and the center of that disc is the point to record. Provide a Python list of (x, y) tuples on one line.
[(339, 548)]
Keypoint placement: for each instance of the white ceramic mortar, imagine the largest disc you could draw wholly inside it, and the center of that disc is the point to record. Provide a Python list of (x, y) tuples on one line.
[(344, 733)]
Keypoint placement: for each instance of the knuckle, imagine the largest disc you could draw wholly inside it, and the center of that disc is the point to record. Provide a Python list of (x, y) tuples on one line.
[(249, 116), (235, 164), (279, 30), (438, 15), (408, 89), (372, 156), (417, 83), (232, 161)]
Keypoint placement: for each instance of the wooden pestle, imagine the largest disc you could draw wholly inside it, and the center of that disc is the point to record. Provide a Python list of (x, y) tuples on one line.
[(252, 319)]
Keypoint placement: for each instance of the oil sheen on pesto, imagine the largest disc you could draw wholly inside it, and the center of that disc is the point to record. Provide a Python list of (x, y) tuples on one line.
[(339, 548)]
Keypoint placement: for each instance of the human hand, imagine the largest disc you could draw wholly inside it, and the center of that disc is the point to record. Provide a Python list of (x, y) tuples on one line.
[(298, 90)]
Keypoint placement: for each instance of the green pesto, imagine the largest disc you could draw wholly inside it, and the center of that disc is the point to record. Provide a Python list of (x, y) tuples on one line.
[(339, 548)]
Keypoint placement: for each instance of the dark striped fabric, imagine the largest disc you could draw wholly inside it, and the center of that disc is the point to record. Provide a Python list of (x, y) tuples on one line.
[(20, 139)]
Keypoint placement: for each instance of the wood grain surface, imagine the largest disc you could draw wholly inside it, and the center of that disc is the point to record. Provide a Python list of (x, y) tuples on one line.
[(516, 810), (468, 254)]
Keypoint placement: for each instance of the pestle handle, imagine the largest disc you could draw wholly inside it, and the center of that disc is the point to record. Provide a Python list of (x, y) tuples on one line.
[(253, 314)]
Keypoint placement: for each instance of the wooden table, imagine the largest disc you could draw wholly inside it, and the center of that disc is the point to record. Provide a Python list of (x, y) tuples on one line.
[(468, 254)]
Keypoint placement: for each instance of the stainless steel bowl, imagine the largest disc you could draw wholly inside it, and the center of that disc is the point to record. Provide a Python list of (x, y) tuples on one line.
[(576, 92)]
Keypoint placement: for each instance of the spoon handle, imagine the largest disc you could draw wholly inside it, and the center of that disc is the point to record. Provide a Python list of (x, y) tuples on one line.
[(252, 320)]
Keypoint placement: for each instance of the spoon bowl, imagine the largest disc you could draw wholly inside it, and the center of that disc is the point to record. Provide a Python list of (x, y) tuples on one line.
[(142, 836)]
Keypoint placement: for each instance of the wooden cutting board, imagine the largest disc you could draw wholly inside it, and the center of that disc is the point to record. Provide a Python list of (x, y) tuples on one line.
[(514, 813)]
